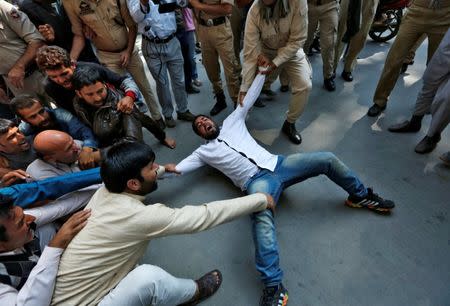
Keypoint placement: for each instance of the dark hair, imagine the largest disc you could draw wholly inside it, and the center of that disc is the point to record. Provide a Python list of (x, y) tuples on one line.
[(52, 58), (6, 205), (124, 161), (85, 76), (194, 127), (23, 101), (5, 125)]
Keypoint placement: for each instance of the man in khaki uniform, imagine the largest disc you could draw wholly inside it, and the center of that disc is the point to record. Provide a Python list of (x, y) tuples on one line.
[(429, 17), (357, 42), (216, 38), (274, 37), (19, 42), (326, 14), (113, 32)]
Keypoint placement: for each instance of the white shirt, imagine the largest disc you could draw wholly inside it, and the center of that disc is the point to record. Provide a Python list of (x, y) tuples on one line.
[(38, 289), (152, 24), (226, 157)]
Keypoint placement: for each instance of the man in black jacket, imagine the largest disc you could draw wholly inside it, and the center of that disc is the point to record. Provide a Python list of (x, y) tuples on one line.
[(97, 105)]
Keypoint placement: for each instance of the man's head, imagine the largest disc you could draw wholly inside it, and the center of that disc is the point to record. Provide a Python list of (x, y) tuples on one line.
[(56, 64), (129, 166), (205, 127), (30, 110), (12, 141), (56, 146), (89, 86), (16, 228)]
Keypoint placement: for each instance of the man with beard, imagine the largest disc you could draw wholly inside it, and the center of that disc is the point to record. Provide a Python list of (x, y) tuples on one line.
[(234, 152), (16, 153), (99, 265), (37, 118), (55, 62)]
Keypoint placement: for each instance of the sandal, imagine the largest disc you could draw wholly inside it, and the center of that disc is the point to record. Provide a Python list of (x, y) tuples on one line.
[(207, 285)]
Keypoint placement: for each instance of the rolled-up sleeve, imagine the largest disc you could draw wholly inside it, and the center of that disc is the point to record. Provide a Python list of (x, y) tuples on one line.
[(136, 11), (77, 24)]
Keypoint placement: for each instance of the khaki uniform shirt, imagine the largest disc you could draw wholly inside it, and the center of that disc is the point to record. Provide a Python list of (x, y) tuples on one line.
[(104, 18), (16, 32), (280, 39), (206, 16), (117, 235)]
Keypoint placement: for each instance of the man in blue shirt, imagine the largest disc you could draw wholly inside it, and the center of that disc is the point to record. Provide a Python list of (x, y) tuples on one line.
[(36, 118), (162, 53)]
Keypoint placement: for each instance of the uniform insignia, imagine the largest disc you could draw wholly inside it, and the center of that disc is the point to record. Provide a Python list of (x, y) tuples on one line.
[(14, 14), (85, 9)]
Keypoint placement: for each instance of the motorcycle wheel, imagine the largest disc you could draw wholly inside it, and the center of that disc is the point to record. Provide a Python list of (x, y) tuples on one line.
[(387, 32)]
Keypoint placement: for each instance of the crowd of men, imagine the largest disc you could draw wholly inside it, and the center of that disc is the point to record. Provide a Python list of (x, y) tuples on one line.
[(74, 100)]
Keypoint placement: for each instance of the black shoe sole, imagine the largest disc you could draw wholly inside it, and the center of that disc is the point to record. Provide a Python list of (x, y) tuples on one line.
[(372, 208)]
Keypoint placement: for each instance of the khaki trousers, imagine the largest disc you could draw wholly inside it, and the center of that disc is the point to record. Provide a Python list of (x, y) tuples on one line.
[(418, 21), (299, 73), (136, 68), (237, 26), (327, 16), (217, 41), (412, 53), (356, 44)]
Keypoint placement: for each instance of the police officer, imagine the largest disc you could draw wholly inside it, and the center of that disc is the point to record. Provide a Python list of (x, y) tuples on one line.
[(429, 17), (216, 38), (19, 42), (326, 14), (113, 32), (275, 33)]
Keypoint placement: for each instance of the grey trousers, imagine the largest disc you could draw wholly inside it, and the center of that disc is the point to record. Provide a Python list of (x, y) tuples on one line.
[(149, 285), (163, 58), (434, 97)]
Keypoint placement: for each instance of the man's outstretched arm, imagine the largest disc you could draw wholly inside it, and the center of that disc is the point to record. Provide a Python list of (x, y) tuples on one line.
[(190, 163)]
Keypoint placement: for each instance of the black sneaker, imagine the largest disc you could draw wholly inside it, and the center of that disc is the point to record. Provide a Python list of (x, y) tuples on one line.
[(372, 201), (274, 296)]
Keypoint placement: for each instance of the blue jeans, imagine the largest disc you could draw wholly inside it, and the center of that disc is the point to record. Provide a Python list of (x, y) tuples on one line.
[(290, 170), (187, 42), (52, 188)]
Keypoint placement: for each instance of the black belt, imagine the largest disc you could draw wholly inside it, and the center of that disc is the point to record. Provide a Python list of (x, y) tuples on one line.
[(158, 40), (213, 21)]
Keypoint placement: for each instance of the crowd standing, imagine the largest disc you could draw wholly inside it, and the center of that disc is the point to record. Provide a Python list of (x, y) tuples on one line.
[(74, 99)]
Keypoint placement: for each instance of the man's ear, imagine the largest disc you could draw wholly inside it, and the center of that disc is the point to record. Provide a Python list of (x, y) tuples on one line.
[(78, 93), (134, 185)]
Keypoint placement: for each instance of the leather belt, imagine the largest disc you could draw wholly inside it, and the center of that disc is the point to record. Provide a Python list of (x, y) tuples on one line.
[(213, 21), (158, 40), (320, 2)]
